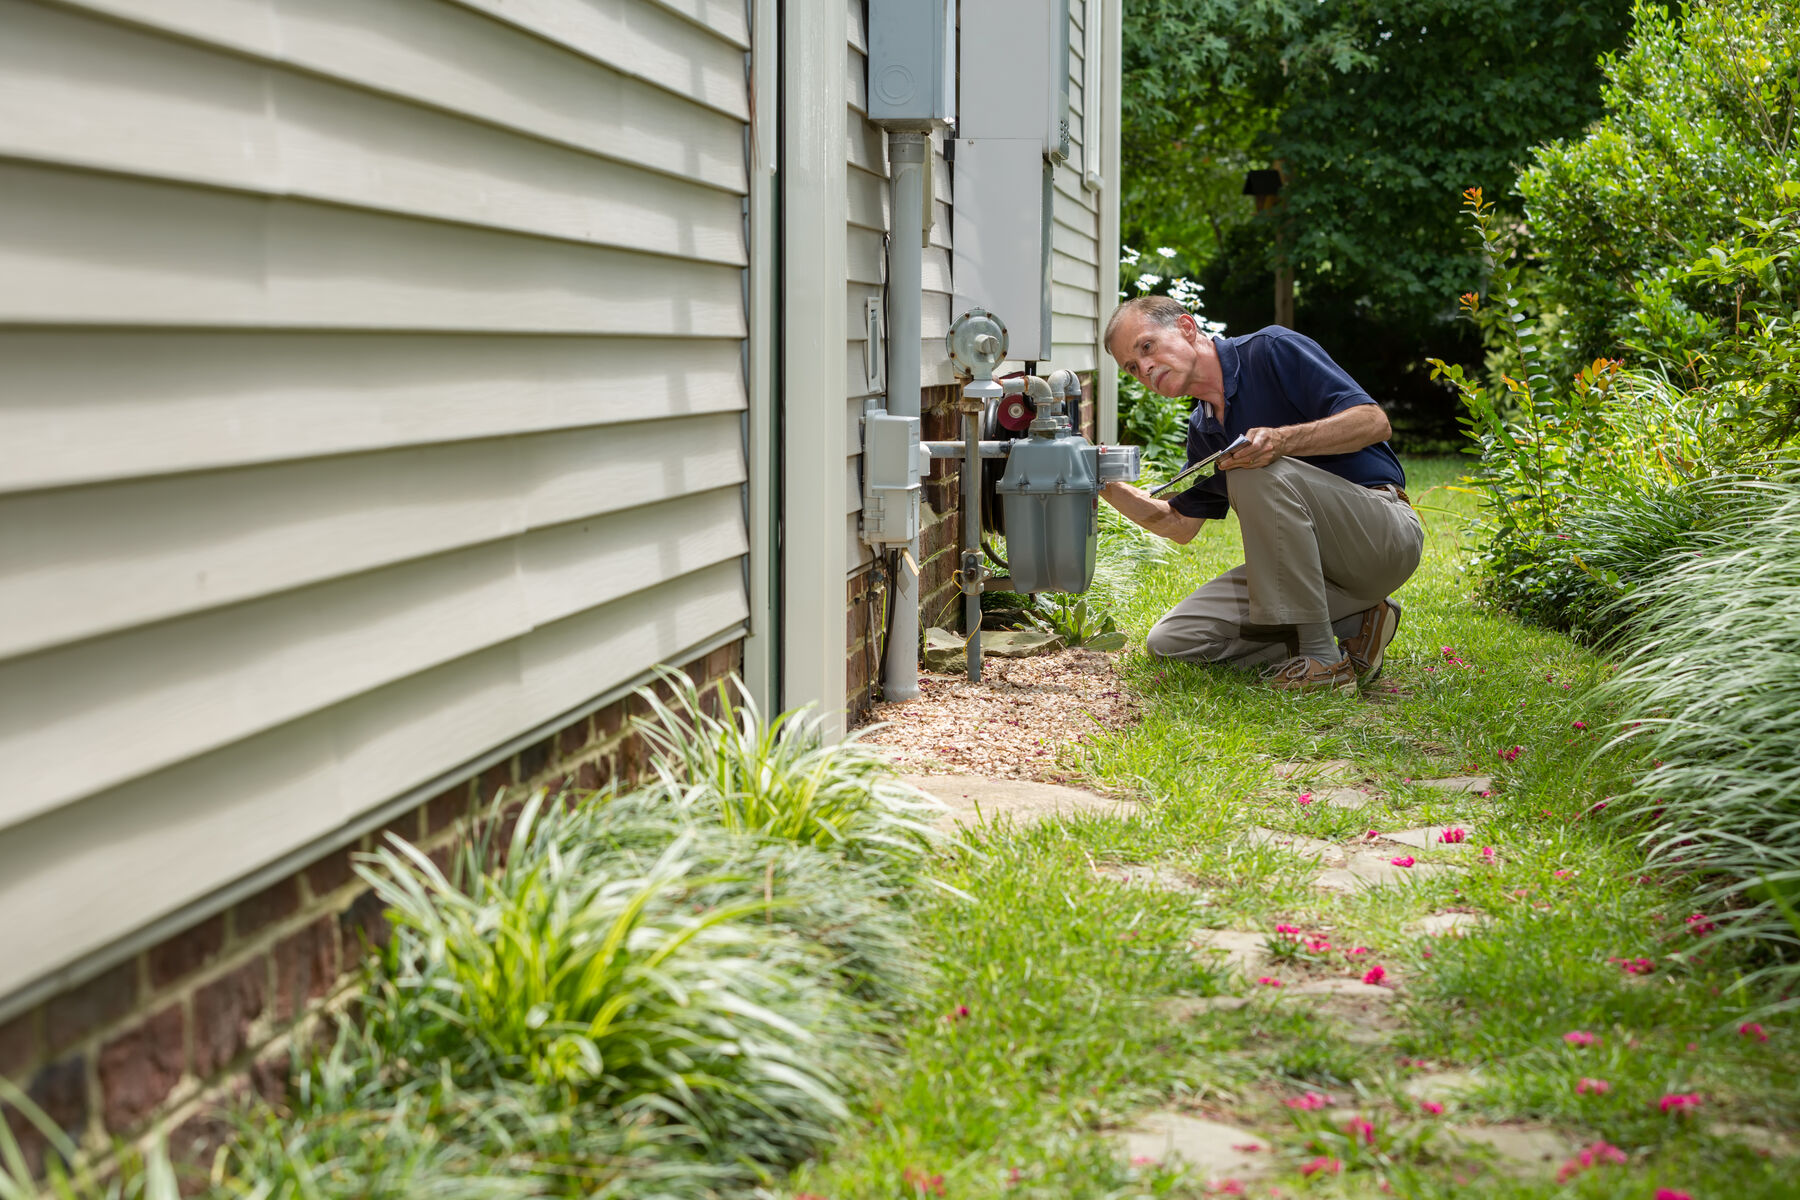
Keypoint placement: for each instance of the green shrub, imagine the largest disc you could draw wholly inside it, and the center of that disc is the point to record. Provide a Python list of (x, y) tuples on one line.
[(1699, 132)]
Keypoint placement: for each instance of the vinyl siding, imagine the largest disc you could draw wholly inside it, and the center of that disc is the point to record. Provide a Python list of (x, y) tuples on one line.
[(371, 375), (866, 204), (1075, 298)]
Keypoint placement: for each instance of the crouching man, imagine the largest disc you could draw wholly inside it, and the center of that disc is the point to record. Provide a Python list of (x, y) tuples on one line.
[(1320, 497)]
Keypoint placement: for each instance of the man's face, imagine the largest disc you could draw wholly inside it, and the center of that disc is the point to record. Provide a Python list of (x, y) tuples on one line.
[(1164, 358)]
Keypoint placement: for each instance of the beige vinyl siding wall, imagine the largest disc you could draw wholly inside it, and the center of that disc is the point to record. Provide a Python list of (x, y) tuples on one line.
[(371, 384), (1075, 236), (867, 201)]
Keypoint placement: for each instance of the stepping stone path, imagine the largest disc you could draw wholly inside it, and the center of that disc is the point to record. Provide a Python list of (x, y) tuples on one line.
[(972, 799), (1305, 847), (1186, 1008), (1163, 879), (1371, 866), (1214, 1149), (1450, 922), (1240, 950), (1431, 837), (1531, 1146), (1459, 783)]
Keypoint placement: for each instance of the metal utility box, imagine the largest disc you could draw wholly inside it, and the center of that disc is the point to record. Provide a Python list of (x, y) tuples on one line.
[(1001, 231), (912, 63), (1051, 491), (891, 462), (1015, 73)]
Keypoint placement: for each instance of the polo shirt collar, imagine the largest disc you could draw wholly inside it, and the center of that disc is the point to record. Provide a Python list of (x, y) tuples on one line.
[(1228, 370)]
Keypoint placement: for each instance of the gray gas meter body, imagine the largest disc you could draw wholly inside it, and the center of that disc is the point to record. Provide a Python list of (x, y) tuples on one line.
[(1051, 491)]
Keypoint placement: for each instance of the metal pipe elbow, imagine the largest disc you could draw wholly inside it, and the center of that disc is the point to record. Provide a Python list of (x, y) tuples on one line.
[(1064, 382)]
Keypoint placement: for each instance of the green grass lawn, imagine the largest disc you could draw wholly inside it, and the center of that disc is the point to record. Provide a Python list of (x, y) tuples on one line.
[(1050, 1020)]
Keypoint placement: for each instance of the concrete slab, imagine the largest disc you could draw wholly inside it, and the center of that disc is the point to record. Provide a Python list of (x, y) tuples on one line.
[(1297, 844), (1214, 1149), (1022, 800)]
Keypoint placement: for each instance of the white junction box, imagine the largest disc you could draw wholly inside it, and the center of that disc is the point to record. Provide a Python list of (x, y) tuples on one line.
[(891, 460), (1014, 72)]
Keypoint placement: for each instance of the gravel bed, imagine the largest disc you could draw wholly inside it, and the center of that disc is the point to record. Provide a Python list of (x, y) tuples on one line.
[(1026, 719)]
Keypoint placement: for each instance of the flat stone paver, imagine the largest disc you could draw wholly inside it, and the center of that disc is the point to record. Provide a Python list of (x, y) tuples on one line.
[(1296, 844), (1374, 868), (1186, 1008), (1331, 768), (1150, 875), (1450, 922), (1440, 1085), (1523, 1145), (1459, 783), (1217, 1150), (1354, 988), (1431, 837), (1024, 801), (1242, 950), (1345, 797)]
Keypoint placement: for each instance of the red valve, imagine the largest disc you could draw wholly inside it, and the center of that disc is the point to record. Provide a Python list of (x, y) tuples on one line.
[(1015, 414)]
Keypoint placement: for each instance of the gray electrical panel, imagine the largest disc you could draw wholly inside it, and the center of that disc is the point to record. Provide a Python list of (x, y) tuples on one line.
[(912, 63), (1015, 72)]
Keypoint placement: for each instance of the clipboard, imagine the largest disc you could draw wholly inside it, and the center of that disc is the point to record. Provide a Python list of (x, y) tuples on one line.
[(1208, 461)]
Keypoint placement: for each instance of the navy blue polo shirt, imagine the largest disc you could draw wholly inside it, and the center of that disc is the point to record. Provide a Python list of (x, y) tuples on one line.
[(1277, 377)]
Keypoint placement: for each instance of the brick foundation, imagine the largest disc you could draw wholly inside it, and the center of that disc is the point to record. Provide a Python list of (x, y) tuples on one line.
[(209, 1014)]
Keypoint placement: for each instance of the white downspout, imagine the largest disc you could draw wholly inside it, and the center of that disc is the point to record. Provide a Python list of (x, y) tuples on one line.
[(908, 152)]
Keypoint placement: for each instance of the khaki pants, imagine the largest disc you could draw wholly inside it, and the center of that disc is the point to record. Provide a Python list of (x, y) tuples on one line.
[(1316, 548)]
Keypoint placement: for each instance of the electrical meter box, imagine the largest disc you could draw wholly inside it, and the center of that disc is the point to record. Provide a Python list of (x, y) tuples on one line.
[(1051, 492), (891, 462), (1015, 73), (912, 63)]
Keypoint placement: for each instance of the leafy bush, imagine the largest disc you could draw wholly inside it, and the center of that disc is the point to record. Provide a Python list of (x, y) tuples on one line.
[(1712, 680), (1699, 132), (1077, 622)]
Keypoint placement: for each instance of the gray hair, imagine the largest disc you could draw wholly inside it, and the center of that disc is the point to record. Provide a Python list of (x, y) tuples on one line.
[(1159, 309)]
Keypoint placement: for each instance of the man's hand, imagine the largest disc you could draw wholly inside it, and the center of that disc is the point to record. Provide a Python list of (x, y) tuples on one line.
[(1263, 446), (1141, 508), (1340, 433)]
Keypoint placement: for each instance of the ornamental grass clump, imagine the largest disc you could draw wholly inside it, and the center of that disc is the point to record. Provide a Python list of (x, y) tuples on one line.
[(604, 988), (782, 778), (1711, 681)]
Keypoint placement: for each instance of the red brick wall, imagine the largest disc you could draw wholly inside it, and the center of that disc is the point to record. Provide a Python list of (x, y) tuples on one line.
[(211, 1012)]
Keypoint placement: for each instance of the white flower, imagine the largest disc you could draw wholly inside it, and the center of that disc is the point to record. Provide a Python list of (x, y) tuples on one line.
[(1146, 282), (1166, 251)]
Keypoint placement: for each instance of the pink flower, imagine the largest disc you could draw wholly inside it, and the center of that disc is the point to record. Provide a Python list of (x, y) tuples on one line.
[(1454, 836), (1404, 860), (1485, 794), (1487, 852), (928, 1185), (1595, 1087), (1372, 834), (956, 1014), (1432, 1107), (1679, 1101), (1308, 1102), (1581, 724), (1560, 874), (1509, 754), (1752, 1030), (1672, 1194), (1318, 945), (1329, 1166), (1580, 1037), (1594, 1155), (1226, 1187), (1356, 950), (1290, 930), (1634, 966), (1699, 925), (1375, 974), (1304, 798), (1141, 1160), (1359, 1128), (1268, 981)]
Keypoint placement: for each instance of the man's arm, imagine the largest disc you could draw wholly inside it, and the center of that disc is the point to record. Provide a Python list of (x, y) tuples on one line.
[(1141, 508), (1340, 433)]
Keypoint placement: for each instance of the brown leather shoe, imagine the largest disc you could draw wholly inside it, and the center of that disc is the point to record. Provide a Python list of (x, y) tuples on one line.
[(1305, 674), (1369, 644)]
